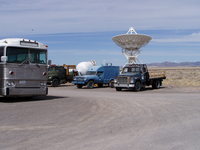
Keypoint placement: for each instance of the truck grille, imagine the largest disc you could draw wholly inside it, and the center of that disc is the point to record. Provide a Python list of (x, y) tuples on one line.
[(122, 80)]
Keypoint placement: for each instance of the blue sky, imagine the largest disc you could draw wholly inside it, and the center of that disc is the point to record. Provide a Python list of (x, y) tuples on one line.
[(82, 30)]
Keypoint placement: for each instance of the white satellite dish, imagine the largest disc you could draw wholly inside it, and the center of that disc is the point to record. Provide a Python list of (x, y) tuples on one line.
[(131, 42)]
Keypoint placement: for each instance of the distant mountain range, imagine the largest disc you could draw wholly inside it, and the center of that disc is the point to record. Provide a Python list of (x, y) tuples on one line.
[(174, 64)]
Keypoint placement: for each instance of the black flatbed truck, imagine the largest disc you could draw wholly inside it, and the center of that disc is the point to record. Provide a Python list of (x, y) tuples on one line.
[(136, 77)]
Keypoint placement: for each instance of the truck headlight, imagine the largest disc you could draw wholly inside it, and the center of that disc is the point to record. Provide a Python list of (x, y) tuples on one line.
[(115, 81), (10, 83), (132, 80)]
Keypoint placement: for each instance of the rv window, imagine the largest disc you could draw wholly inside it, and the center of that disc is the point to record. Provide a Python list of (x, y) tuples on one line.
[(20, 55), (1, 52), (17, 54), (38, 56)]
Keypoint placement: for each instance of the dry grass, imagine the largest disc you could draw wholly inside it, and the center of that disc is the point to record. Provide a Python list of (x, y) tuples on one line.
[(181, 76)]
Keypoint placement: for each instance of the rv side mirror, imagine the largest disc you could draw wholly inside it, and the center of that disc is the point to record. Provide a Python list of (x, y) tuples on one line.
[(4, 58), (49, 62)]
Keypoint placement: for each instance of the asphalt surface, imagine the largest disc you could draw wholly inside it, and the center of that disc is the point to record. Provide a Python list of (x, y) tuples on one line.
[(102, 119)]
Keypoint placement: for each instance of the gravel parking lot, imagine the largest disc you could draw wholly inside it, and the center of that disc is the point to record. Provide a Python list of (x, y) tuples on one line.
[(102, 119)]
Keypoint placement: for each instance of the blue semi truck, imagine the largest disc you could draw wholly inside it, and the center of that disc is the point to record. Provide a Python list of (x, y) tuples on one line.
[(97, 75)]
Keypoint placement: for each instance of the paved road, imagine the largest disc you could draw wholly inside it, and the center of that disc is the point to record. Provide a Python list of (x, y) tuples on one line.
[(102, 119)]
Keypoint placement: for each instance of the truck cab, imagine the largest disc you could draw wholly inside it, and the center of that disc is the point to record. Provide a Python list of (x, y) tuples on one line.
[(99, 75), (60, 74), (56, 75), (137, 76)]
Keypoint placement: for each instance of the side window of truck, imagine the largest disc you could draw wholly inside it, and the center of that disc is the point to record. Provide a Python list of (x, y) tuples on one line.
[(125, 70), (99, 73), (144, 70), (1, 52)]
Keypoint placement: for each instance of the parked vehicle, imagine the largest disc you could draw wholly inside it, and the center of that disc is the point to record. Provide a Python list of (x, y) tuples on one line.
[(61, 74), (23, 68), (137, 76), (83, 67), (97, 75)]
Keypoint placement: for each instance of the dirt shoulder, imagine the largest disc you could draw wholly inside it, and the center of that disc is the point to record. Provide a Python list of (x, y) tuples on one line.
[(181, 76)]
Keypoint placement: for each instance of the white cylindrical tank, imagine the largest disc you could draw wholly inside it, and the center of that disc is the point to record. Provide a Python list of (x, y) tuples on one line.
[(83, 67)]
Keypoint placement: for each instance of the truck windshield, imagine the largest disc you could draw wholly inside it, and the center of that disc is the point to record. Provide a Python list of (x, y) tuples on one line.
[(1, 52), (19, 55), (51, 69), (90, 73), (131, 70)]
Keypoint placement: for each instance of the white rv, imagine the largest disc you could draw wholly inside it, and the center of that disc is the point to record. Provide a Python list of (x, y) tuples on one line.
[(23, 68)]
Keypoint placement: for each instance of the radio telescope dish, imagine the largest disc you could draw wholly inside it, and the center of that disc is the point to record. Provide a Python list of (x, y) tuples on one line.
[(131, 42)]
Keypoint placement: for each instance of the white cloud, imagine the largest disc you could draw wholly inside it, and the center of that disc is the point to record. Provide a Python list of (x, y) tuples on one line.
[(194, 37), (81, 52), (50, 16)]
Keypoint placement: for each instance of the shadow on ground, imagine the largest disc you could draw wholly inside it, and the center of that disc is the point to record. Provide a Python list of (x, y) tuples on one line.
[(143, 90), (28, 99), (62, 85)]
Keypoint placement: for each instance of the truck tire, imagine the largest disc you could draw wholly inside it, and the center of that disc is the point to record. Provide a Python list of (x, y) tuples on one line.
[(55, 82), (138, 86), (90, 84), (118, 89), (111, 83), (79, 86), (156, 84)]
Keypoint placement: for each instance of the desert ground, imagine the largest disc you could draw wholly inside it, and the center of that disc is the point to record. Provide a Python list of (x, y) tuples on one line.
[(181, 76), (104, 119)]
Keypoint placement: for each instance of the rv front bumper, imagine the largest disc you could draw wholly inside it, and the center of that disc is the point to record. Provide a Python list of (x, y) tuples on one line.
[(24, 91)]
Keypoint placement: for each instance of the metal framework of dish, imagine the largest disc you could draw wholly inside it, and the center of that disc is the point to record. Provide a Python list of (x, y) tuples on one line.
[(131, 42)]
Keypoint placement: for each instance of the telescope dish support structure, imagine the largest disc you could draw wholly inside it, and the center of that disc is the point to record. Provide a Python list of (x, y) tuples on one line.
[(131, 56)]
